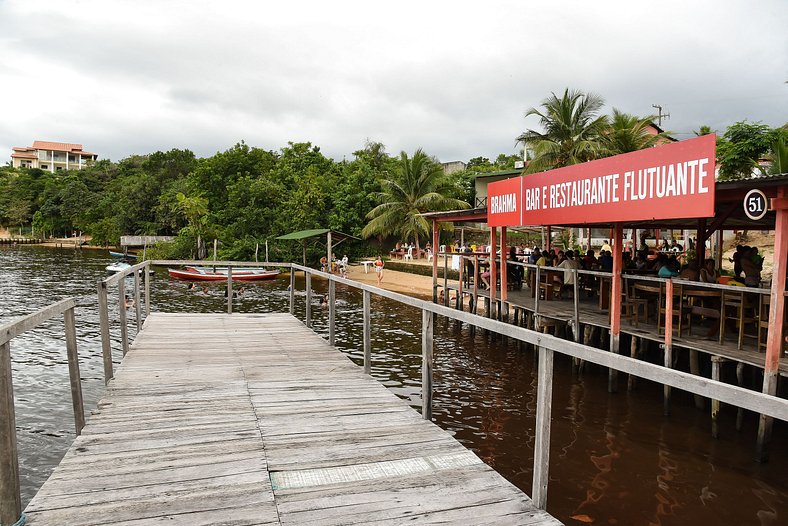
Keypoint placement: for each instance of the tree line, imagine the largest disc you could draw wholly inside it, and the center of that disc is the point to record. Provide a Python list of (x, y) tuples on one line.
[(246, 195)]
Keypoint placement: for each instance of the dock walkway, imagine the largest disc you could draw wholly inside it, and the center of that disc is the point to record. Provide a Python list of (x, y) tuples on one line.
[(254, 420)]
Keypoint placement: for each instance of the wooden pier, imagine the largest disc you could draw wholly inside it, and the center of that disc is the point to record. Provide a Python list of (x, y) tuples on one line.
[(254, 419)]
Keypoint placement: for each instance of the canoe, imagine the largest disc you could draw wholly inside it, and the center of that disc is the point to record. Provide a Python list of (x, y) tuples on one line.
[(122, 255), (208, 274)]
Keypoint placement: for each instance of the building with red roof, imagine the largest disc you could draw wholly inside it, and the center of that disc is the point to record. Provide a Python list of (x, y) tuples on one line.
[(51, 156)]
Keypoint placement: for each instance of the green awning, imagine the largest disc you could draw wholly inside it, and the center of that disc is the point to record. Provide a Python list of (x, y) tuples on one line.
[(303, 234)]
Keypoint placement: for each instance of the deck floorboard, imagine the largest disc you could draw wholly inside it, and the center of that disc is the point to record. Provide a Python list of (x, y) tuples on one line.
[(249, 420)]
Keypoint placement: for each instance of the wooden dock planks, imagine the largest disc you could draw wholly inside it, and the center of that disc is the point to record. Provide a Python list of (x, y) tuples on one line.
[(253, 420)]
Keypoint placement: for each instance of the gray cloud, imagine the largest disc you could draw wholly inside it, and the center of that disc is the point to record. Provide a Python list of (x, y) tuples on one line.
[(135, 77)]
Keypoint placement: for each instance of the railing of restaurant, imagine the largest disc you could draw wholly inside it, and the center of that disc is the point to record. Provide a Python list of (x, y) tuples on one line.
[(547, 345), (10, 493)]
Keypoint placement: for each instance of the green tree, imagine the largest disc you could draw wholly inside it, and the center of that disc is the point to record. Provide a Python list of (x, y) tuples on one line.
[(629, 133), (195, 210), (740, 148), (573, 131), (418, 185)]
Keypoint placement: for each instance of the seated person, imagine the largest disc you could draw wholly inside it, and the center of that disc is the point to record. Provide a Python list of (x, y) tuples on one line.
[(669, 269), (690, 272), (708, 274), (751, 266), (606, 261), (589, 261)]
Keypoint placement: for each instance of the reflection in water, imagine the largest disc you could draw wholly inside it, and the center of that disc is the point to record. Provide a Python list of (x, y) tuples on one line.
[(615, 458)]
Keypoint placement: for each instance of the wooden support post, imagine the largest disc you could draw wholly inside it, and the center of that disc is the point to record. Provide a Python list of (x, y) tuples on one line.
[(332, 311), (10, 499), (576, 306), (549, 240), (633, 351), (146, 270), (137, 305), (715, 404), (229, 289), (459, 302), (537, 277), (504, 268), (446, 280), (367, 332), (73, 370), (106, 346), (475, 283), (694, 365), (292, 290), (774, 337), (668, 345), (308, 280), (617, 244), (739, 381), (435, 247), (544, 405), (329, 253), (426, 364), (718, 249), (124, 329), (493, 271)]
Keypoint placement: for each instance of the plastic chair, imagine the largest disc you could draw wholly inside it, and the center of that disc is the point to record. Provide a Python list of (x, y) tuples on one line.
[(429, 255), (408, 254)]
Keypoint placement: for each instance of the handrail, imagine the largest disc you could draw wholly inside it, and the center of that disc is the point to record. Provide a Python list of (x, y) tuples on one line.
[(761, 403), (10, 491)]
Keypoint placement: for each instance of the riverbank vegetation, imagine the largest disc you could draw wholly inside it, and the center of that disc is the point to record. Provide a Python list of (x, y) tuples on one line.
[(247, 195)]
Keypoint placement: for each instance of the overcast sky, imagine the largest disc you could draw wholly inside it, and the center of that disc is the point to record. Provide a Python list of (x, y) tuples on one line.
[(452, 77)]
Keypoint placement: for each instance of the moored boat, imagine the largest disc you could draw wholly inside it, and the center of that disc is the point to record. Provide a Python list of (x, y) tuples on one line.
[(220, 274), (122, 255)]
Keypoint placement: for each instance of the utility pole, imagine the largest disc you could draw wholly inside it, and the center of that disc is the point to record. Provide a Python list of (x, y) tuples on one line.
[(660, 115)]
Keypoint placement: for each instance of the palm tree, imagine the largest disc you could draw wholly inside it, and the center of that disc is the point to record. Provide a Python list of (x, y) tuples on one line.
[(418, 185), (195, 210), (703, 130), (573, 131), (629, 133)]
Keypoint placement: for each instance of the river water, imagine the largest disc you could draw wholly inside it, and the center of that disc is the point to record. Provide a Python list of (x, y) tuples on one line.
[(615, 459)]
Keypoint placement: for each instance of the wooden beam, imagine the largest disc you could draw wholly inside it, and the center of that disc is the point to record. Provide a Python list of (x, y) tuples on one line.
[(10, 499), (426, 364), (774, 338), (435, 246), (504, 268), (544, 405), (493, 271), (617, 243)]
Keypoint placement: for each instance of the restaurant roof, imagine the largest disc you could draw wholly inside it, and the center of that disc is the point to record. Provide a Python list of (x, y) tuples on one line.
[(729, 198)]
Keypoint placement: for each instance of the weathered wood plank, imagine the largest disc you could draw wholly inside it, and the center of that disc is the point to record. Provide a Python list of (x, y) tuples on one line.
[(207, 410)]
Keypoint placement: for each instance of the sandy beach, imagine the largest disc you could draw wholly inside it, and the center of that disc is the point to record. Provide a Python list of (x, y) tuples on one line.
[(395, 281)]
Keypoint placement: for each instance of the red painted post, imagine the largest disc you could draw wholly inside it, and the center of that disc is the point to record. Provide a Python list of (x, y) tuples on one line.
[(617, 243), (504, 277), (774, 339), (493, 270), (668, 356), (435, 246)]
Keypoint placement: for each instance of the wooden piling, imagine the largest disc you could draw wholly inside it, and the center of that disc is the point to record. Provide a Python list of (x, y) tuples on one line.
[(10, 500), (332, 311), (544, 404), (426, 364), (73, 370), (106, 347), (124, 329), (367, 332)]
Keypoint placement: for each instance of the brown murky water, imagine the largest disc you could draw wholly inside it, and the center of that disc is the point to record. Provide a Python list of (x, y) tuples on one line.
[(615, 459)]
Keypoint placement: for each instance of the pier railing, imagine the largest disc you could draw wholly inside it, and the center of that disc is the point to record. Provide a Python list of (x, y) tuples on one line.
[(10, 494), (546, 345)]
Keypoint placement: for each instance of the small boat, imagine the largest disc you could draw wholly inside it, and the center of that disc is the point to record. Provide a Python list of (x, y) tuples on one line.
[(122, 255), (220, 274), (118, 266)]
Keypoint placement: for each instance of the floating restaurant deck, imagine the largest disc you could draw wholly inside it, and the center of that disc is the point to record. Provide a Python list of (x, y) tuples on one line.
[(253, 420), (590, 314)]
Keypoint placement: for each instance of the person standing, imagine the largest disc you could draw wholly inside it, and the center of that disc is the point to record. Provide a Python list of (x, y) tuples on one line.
[(379, 269)]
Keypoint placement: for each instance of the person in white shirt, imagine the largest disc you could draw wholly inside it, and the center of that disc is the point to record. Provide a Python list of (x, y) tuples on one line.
[(568, 265)]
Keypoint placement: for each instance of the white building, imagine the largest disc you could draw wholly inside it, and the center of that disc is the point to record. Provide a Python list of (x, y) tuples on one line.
[(52, 156)]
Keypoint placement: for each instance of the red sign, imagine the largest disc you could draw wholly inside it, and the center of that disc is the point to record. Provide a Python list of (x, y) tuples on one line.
[(667, 182)]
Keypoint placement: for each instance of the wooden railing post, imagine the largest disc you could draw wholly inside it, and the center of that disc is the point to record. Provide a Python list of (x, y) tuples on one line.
[(308, 279), (124, 330), (367, 333), (147, 289), (292, 290), (576, 306), (668, 345), (73, 370), (10, 498), (426, 364), (106, 346), (445, 279), (137, 306), (229, 289), (544, 404), (332, 310)]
